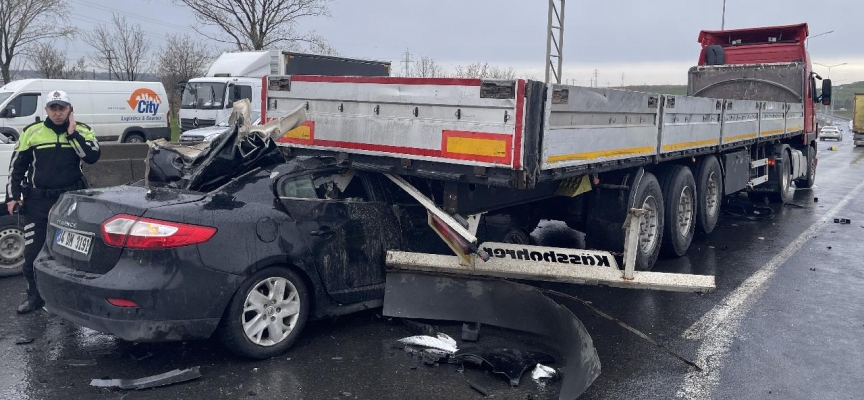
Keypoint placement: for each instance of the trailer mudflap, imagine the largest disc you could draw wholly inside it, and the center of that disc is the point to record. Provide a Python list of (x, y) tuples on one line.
[(537, 263)]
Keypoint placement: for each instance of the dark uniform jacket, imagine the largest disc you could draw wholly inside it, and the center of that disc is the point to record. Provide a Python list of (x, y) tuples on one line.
[(46, 159)]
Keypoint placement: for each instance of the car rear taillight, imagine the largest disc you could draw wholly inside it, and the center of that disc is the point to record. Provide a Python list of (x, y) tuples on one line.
[(144, 233)]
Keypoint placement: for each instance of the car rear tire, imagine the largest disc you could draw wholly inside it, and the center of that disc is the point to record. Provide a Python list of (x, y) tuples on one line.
[(11, 246), (266, 315)]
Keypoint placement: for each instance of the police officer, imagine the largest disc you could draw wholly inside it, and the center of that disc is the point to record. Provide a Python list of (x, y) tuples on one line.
[(46, 163)]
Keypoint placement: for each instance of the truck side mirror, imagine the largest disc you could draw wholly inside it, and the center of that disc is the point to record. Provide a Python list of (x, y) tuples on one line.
[(826, 92)]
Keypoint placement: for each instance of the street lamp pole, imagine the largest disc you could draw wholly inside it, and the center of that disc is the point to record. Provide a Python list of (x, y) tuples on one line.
[(723, 21), (829, 77)]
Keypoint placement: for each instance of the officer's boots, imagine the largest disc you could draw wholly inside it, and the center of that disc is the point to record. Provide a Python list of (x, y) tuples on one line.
[(32, 303)]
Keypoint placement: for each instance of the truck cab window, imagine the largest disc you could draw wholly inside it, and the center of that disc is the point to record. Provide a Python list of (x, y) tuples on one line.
[(245, 92), (203, 95)]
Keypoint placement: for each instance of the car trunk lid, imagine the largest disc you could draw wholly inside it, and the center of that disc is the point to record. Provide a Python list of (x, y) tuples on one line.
[(74, 235)]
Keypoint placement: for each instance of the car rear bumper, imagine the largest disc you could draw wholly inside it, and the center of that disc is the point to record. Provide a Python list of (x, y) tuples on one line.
[(176, 302)]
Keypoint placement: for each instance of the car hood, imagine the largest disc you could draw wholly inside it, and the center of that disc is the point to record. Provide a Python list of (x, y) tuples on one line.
[(205, 134)]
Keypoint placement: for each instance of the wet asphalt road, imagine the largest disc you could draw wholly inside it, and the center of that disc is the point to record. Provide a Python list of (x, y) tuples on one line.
[(785, 322)]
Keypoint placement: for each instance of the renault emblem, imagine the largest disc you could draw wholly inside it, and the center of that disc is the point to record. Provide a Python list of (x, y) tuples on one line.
[(71, 209)]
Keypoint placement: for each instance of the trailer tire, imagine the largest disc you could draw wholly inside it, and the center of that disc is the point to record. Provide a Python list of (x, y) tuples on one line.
[(785, 190), (648, 195), (810, 180), (679, 195), (709, 191)]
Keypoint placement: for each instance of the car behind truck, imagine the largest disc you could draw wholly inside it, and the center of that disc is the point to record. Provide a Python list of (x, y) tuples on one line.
[(380, 167)]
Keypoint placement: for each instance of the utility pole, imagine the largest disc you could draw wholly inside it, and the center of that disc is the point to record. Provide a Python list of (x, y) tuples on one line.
[(555, 45), (723, 21), (622, 79), (596, 77), (407, 61)]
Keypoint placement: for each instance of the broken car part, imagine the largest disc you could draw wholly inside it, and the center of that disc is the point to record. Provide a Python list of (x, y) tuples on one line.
[(503, 304), (168, 378)]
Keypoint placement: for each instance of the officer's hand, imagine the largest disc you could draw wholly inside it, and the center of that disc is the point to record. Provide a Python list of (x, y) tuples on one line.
[(72, 125), (11, 206)]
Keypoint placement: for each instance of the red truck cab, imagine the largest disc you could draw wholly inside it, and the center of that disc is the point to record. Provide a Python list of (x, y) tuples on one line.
[(770, 45)]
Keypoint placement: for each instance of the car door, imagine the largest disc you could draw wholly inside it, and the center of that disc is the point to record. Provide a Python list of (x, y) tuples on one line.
[(347, 234)]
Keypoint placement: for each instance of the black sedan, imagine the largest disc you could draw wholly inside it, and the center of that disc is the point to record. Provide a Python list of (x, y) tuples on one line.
[(251, 261)]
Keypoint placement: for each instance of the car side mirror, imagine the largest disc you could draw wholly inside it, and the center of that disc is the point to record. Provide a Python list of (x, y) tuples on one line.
[(9, 113), (826, 92)]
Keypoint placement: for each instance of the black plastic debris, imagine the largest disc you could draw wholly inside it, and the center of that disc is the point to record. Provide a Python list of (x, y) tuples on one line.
[(842, 221), (498, 303), (511, 362), (471, 332), (24, 340), (168, 378)]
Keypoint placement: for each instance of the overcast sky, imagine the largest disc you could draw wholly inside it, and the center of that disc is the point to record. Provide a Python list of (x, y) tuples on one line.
[(650, 42)]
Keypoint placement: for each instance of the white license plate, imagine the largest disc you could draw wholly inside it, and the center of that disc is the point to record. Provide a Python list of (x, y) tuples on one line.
[(74, 241)]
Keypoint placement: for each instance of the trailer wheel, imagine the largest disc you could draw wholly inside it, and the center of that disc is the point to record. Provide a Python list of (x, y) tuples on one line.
[(709, 194), (266, 315), (810, 180), (785, 190), (649, 196), (679, 193)]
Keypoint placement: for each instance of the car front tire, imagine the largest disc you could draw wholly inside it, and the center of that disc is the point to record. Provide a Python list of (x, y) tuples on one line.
[(267, 314)]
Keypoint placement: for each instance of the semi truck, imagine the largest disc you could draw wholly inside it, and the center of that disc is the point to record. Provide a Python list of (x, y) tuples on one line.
[(599, 159), (234, 76), (858, 120)]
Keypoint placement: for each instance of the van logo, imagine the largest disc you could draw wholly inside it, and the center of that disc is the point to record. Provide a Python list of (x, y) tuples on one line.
[(71, 209), (195, 122), (144, 101)]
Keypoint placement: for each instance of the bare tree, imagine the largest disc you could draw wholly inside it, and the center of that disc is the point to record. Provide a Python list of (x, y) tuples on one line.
[(427, 68), (25, 23), (483, 70), (120, 48), (181, 59), (256, 24), (51, 63)]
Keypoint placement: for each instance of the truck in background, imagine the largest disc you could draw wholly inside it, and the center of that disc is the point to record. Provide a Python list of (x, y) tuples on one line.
[(235, 76), (129, 112), (858, 120)]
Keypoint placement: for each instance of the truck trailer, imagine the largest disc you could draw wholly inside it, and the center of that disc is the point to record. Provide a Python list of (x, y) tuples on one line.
[(525, 151), (234, 76), (858, 120)]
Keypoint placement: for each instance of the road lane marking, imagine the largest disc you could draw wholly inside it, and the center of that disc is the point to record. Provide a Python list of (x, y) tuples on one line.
[(718, 327)]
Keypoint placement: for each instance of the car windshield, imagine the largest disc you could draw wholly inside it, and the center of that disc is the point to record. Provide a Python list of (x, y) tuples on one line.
[(4, 96), (203, 95)]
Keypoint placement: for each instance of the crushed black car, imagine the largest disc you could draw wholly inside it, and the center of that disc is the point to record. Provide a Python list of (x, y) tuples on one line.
[(251, 261)]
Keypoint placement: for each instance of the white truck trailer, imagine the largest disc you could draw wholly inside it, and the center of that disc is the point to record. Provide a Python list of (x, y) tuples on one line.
[(523, 151)]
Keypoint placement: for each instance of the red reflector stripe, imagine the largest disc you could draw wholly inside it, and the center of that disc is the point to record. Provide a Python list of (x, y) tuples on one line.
[(123, 303)]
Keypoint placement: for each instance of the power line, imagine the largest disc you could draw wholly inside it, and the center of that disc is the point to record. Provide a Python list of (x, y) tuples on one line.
[(126, 13)]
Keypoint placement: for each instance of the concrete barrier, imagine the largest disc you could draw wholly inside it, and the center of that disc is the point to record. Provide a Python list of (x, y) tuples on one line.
[(119, 163)]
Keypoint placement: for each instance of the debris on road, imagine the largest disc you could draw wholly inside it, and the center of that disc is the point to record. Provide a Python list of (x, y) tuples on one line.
[(81, 363), (511, 362), (168, 378), (842, 221), (793, 205), (478, 388), (543, 372), (442, 342), (24, 340), (502, 304), (471, 332)]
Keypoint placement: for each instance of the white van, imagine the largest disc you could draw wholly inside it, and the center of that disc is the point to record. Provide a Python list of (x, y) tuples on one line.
[(129, 112)]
